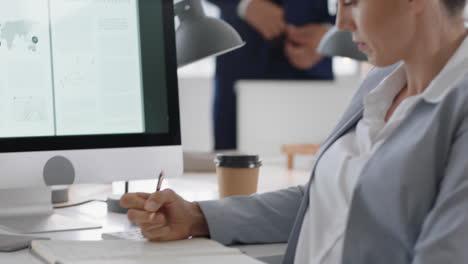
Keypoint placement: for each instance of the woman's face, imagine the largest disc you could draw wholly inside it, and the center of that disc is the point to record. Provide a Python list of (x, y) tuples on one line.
[(382, 29)]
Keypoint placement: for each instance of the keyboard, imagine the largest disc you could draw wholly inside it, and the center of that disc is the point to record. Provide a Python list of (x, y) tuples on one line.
[(132, 234)]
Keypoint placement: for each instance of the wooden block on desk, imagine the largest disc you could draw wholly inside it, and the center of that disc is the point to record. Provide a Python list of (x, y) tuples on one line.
[(298, 149)]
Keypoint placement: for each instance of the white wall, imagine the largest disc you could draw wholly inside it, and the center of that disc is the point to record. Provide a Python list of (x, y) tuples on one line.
[(271, 114), (195, 100)]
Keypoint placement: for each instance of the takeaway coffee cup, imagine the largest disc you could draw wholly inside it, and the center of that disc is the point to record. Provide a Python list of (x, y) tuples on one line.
[(237, 174)]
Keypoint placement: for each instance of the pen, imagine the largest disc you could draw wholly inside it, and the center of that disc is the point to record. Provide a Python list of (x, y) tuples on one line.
[(158, 188), (160, 180)]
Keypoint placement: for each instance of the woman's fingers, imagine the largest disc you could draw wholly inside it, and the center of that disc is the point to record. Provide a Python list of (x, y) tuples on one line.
[(157, 234), (158, 230), (159, 199), (134, 200), (143, 217), (162, 216), (138, 216)]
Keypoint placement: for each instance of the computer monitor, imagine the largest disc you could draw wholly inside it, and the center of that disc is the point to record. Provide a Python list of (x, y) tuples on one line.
[(88, 94)]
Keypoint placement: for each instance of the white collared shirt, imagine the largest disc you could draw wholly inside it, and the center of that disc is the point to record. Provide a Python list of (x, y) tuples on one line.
[(323, 228)]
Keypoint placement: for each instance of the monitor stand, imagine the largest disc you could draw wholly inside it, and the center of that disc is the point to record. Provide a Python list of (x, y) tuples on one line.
[(30, 211)]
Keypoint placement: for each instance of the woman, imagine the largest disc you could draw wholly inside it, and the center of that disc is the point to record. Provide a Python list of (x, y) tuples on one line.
[(390, 184)]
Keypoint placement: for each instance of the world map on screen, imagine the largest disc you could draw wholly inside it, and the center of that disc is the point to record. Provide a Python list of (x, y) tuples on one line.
[(20, 30)]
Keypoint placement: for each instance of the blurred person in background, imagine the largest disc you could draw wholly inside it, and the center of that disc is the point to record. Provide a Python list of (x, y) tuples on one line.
[(281, 36)]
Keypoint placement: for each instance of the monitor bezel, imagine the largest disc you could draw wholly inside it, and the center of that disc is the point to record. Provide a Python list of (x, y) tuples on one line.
[(172, 138)]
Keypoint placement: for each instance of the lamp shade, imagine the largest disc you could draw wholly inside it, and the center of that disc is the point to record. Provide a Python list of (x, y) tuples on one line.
[(340, 43), (199, 36)]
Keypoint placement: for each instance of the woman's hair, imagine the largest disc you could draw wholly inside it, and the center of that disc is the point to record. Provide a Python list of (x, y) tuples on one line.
[(455, 6)]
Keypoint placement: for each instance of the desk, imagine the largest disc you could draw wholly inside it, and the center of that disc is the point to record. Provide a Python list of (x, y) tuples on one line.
[(191, 186)]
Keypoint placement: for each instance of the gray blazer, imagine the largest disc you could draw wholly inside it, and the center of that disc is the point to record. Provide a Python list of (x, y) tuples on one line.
[(410, 204)]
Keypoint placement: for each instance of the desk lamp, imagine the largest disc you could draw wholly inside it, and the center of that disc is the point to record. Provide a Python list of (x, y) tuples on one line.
[(199, 36), (340, 43)]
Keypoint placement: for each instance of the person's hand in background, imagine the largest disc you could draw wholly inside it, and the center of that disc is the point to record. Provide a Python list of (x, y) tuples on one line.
[(164, 215), (266, 17), (302, 43)]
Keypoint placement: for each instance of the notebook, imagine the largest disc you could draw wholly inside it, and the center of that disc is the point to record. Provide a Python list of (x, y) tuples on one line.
[(197, 250)]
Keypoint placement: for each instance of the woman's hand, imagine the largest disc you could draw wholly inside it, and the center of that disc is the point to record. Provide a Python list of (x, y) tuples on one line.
[(164, 215)]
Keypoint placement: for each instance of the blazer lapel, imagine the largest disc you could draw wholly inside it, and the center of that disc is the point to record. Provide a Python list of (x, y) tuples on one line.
[(348, 121), (339, 131)]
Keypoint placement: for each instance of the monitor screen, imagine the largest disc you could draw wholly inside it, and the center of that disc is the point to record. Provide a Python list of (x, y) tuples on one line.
[(86, 74), (93, 82)]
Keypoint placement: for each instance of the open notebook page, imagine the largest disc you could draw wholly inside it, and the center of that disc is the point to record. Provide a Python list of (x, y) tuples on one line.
[(224, 259), (126, 250)]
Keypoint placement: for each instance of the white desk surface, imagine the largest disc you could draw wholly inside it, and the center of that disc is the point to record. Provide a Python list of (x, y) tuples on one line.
[(191, 186)]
